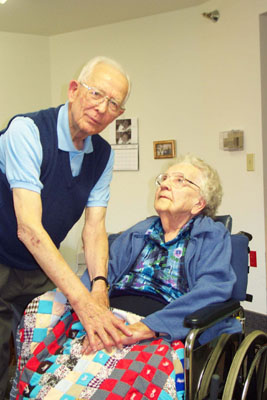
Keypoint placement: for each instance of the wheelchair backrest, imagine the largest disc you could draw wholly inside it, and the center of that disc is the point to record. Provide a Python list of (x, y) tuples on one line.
[(239, 261)]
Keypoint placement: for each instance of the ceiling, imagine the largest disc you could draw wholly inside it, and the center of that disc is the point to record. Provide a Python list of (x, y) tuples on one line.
[(52, 17)]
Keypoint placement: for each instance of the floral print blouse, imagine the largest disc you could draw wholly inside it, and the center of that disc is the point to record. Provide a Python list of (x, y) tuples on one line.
[(159, 269)]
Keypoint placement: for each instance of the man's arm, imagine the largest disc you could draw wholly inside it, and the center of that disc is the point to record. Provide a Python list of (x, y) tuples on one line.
[(95, 244), (95, 241), (96, 319)]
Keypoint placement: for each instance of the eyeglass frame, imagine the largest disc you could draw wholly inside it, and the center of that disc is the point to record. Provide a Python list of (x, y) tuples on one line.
[(175, 174), (104, 97)]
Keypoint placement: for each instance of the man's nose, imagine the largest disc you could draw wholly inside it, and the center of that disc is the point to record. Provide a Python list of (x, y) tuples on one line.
[(102, 106)]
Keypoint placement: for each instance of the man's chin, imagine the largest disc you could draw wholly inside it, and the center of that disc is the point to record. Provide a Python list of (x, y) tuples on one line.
[(92, 129)]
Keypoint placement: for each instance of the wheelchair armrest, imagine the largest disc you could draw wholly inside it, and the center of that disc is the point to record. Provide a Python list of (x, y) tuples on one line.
[(211, 314)]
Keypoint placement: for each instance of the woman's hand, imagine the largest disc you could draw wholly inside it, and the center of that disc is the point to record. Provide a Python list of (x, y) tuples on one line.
[(139, 331)]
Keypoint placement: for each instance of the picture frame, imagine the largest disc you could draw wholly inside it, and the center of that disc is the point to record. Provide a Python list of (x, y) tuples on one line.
[(164, 149)]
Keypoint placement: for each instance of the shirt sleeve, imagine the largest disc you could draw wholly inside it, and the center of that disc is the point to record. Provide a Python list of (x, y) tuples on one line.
[(100, 193), (22, 155)]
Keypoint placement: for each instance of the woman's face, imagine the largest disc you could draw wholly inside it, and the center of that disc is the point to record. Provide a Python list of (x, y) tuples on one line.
[(180, 199)]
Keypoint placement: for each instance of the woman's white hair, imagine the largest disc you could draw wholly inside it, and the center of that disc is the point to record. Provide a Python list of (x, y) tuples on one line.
[(210, 186), (90, 65)]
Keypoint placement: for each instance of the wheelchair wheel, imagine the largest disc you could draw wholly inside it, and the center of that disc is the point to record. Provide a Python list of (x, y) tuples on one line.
[(218, 363), (247, 378)]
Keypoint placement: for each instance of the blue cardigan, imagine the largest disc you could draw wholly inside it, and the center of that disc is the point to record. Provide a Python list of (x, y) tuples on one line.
[(208, 270)]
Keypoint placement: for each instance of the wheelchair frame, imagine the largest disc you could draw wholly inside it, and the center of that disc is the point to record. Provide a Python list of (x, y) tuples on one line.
[(244, 377)]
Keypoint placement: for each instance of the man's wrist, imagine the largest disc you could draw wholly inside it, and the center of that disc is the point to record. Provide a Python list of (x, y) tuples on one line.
[(100, 278)]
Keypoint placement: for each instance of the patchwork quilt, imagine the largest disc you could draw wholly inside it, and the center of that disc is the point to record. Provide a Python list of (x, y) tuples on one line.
[(51, 365)]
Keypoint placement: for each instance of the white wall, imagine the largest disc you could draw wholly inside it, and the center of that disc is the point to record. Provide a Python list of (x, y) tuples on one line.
[(24, 74), (263, 46), (192, 79)]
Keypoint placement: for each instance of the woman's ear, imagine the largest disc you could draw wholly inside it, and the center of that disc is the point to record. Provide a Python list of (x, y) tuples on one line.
[(199, 206)]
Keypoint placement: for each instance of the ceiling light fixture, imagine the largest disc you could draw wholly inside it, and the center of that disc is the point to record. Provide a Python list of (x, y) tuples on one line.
[(213, 15)]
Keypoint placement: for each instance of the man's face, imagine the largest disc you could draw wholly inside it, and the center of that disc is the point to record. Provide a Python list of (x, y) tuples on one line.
[(184, 201), (89, 119)]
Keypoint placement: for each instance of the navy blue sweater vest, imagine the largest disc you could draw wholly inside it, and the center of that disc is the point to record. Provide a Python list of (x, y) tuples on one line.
[(64, 197)]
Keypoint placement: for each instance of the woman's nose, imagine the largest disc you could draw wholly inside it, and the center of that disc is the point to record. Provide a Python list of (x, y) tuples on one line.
[(166, 182)]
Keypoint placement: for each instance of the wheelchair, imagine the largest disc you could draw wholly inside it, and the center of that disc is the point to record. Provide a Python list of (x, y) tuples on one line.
[(232, 367)]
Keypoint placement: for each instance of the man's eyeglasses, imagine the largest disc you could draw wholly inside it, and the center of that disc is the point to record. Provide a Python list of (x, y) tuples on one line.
[(97, 96), (177, 179)]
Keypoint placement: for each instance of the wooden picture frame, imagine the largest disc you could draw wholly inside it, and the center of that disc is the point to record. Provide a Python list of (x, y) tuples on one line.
[(164, 149)]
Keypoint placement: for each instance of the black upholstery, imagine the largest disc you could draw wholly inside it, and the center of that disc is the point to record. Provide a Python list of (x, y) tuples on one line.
[(226, 220)]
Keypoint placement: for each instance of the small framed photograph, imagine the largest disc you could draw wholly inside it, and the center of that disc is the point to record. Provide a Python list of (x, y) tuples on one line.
[(164, 149)]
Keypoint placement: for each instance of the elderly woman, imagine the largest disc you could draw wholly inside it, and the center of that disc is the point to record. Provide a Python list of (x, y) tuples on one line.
[(166, 267), (162, 269)]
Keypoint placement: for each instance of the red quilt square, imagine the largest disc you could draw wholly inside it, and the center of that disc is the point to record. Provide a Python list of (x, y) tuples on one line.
[(124, 364), (129, 377), (156, 341), (148, 372), (177, 345), (33, 364), (138, 347), (59, 329), (133, 394), (22, 386), (53, 347), (114, 396), (162, 350), (21, 335), (166, 366), (39, 348), (152, 392), (108, 384), (143, 356)]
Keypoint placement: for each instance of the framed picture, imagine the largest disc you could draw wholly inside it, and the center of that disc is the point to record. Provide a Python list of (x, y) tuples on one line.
[(164, 149)]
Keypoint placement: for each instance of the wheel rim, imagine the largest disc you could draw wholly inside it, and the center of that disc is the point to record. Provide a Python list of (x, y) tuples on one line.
[(253, 366), (251, 342), (221, 347)]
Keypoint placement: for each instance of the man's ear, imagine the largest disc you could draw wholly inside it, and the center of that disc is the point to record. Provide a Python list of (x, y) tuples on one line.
[(199, 206), (73, 90), (120, 113)]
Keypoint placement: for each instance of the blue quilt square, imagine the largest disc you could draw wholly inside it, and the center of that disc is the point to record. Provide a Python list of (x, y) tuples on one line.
[(39, 334), (165, 396), (45, 307), (35, 379), (84, 379), (35, 391), (101, 357), (53, 368), (179, 382)]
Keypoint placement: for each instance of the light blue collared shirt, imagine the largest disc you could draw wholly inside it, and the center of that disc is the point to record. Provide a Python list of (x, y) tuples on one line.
[(21, 157)]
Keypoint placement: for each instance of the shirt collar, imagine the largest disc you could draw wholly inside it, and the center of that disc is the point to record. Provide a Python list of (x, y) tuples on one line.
[(65, 142), (156, 234)]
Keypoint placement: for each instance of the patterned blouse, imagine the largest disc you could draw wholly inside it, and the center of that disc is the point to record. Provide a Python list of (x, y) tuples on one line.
[(159, 269)]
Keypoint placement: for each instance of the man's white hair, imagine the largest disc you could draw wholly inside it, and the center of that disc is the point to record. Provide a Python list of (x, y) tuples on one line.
[(91, 64)]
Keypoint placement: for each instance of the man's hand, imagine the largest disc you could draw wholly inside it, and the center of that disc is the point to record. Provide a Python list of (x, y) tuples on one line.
[(100, 324), (139, 332)]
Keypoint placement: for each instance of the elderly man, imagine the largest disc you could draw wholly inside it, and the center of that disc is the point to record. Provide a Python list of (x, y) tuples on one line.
[(53, 165)]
